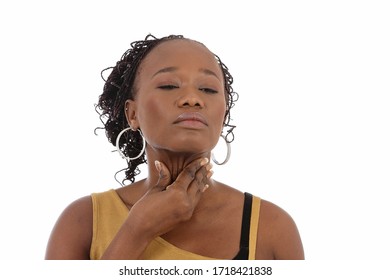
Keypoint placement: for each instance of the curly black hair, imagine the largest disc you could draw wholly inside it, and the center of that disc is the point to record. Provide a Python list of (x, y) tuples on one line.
[(119, 87)]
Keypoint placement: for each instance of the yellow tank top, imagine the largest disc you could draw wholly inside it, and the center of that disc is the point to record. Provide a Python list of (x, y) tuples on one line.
[(109, 213)]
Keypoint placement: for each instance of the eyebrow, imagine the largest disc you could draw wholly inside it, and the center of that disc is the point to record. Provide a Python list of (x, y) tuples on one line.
[(165, 70), (173, 69)]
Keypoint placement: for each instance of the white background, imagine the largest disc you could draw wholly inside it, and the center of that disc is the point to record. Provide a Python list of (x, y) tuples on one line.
[(313, 119)]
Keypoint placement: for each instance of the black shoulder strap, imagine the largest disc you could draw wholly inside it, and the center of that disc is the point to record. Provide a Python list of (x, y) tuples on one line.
[(243, 254)]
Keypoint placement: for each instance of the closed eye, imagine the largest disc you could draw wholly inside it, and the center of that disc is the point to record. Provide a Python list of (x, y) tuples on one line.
[(167, 87), (208, 90)]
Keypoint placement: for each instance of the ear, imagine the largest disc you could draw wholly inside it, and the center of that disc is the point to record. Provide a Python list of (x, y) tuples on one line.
[(131, 114)]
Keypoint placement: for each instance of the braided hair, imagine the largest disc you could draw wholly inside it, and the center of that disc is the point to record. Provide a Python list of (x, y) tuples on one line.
[(119, 87)]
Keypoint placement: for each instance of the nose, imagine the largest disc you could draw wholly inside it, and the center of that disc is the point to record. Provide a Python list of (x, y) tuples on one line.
[(190, 99)]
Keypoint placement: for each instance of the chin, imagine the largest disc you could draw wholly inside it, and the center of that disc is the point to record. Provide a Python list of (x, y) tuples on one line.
[(188, 143)]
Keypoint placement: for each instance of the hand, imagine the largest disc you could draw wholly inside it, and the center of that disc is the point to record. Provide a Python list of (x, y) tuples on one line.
[(166, 205)]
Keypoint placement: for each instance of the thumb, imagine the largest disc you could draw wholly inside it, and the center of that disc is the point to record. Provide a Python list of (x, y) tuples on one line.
[(164, 176)]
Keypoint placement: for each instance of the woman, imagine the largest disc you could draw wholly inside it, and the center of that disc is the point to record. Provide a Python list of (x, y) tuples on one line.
[(167, 102)]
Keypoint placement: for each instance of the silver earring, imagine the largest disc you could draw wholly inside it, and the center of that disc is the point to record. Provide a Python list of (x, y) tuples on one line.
[(120, 152), (227, 155)]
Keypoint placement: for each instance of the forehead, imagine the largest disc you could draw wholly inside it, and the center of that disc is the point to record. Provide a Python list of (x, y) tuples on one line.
[(179, 52)]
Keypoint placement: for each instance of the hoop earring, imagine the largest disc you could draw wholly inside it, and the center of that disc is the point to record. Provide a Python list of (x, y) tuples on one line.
[(229, 150), (120, 152)]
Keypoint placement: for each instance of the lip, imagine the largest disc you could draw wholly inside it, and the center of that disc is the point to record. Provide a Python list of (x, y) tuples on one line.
[(191, 119)]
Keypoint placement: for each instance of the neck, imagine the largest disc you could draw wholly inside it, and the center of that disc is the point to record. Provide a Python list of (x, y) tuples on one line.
[(175, 162)]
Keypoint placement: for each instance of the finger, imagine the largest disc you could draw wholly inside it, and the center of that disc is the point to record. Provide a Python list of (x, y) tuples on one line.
[(209, 173), (189, 173), (201, 181), (164, 176), (200, 185)]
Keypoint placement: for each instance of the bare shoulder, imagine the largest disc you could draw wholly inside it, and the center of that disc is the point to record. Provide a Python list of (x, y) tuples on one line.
[(278, 235), (72, 234)]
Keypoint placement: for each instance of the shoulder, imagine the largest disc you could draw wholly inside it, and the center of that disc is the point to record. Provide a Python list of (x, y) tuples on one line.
[(278, 235), (79, 206), (78, 212), (72, 234)]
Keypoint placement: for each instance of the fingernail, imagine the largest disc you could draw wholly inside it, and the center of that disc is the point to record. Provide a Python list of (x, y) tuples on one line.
[(158, 165), (204, 161), (205, 187), (209, 174), (209, 166)]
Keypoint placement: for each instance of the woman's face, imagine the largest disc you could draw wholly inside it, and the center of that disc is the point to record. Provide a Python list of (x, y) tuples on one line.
[(180, 100)]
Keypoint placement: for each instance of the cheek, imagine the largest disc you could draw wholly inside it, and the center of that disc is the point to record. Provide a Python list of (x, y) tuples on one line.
[(219, 114), (149, 109), (150, 114)]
